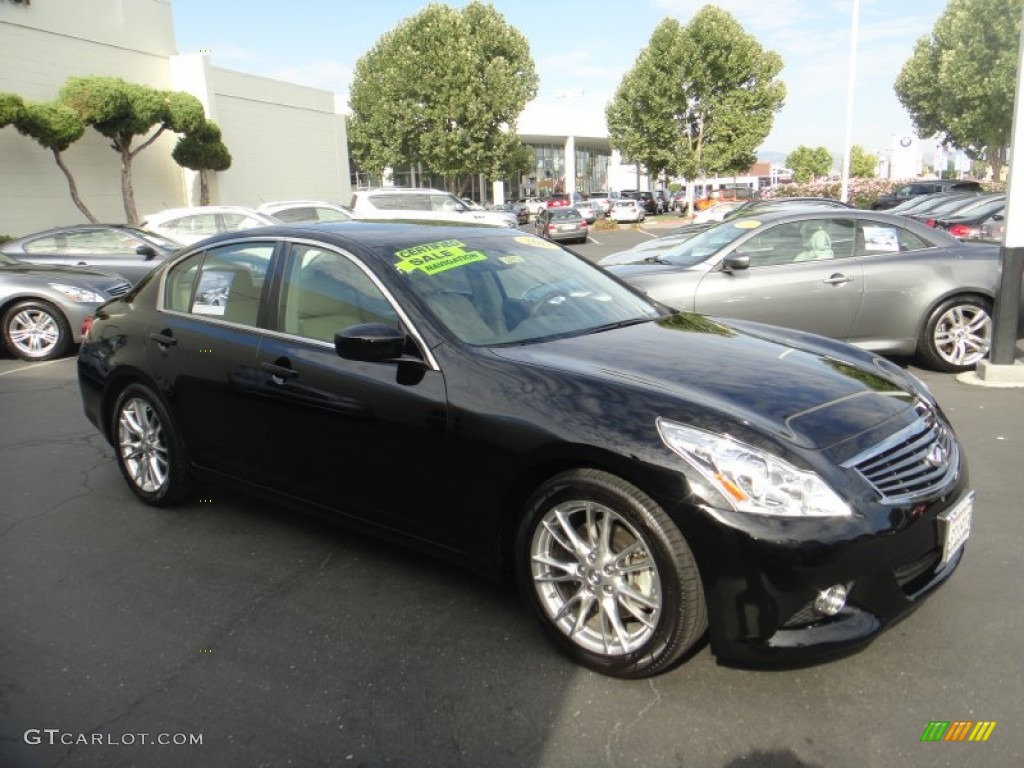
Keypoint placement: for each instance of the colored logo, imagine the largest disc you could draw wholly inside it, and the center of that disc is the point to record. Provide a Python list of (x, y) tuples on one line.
[(958, 730)]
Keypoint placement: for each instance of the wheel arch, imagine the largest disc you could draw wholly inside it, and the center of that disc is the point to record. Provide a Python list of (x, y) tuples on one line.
[(119, 380), (957, 292)]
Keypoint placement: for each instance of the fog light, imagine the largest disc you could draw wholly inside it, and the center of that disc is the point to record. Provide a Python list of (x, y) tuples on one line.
[(831, 601)]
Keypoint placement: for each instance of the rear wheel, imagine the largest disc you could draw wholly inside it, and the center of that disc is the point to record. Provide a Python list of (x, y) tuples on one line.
[(958, 334), (609, 575), (150, 452), (36, 330)]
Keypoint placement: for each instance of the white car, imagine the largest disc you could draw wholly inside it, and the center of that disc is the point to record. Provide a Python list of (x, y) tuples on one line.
[(590, 210), (190, 225), (533, 204), (717, 211), (628, 211), (290, 211), (423, 205)]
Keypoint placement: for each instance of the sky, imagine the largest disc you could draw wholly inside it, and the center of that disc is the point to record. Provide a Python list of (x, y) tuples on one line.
[(582, 50)]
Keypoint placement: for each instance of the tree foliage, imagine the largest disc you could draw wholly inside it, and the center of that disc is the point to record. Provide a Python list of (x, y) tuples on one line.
[(444, 88), (807, 163), (699, 99), (11, 108), (123, 111), (959, 81), (203, 151), (863, 164), (55, 127)]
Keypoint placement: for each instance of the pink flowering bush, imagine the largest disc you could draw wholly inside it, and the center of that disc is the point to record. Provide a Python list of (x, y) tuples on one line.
[(863, 192)]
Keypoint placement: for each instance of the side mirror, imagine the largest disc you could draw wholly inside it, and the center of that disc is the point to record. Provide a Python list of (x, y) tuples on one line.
[(370, 342), (146, 250), (735, 262)]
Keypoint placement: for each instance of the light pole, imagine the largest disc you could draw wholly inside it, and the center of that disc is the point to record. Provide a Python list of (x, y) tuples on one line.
[(844, 194)]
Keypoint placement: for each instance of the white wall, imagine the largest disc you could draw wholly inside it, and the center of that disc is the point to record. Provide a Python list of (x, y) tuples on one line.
[(286, 141)]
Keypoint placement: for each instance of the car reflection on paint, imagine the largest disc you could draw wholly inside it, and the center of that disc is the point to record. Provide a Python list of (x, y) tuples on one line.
[(487, 396)]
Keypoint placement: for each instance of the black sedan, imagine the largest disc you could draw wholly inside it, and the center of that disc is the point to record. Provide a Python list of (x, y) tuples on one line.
[(128, 251), (520, 211), (489, 397)]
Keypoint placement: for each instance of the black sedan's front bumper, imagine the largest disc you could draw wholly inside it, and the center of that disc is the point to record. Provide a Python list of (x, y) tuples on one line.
[(762, 577)]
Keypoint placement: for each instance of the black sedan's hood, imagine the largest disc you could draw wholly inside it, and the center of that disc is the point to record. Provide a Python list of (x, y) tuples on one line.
[(804, 391)]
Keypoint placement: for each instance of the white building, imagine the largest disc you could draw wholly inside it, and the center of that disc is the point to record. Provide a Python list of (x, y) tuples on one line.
[(286, 140)]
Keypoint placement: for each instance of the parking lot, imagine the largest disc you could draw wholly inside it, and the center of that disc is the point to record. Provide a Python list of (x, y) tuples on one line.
[(277, 639)]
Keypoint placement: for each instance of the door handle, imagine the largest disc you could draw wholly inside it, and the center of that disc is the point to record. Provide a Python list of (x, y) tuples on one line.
[(279, 373), (164, 339), (82, 264), (837, 279)]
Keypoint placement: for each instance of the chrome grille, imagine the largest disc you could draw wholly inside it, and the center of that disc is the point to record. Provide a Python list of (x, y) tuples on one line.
[(118, 289), (915, 462)]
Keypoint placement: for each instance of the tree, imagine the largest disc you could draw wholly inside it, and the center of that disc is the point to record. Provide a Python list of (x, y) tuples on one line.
[(55, 127), (11, 108), (699, 100), (203, 151), (958, 82), (808, 163), (444, 88), (121, 111), (863, 165)]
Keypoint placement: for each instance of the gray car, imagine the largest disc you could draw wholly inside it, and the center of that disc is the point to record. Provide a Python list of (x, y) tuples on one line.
[(42, 308), (882, 282)]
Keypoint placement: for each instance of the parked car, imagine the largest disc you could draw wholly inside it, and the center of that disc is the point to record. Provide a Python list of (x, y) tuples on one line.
[(290, 211), (646, 200), (924, 187), (521, 212), (189, 225), (563, 201), (628, 210), (716, 212), (533, 204), (886, 283), (971, 225), (43, 307), (564, 225), (644, 475), (129, 251), (414, 204), (604, 200), (590, 210), (649, 251), (954, 207)]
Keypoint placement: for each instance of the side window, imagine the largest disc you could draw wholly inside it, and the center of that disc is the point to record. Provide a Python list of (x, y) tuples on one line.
[(223, 282), (328, 214), (325, 291), (780, 244), (876, 237), (203, 225), (295, 214), (50, 244), (236, 221), (100, 241), (445, 203)]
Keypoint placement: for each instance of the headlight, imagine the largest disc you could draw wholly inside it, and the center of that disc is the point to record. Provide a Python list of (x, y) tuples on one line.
[(752, 480), (75, 293)]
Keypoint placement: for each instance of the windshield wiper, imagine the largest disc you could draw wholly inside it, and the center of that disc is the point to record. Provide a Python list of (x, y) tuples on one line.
[(620, 324)]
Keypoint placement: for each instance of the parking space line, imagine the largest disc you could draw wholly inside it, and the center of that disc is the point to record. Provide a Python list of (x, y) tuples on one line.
[(595, 242), (36, 366)]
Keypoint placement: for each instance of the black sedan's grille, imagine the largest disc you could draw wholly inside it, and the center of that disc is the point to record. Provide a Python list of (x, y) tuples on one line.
[(915, 462), (118, 289)]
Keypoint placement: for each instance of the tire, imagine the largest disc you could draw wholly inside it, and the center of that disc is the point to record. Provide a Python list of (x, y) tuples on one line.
[(36, 330), (958, 334), (609, 575), (150, 452)]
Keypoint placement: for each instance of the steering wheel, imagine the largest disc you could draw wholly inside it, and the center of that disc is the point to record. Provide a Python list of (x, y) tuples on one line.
[(543, 304)]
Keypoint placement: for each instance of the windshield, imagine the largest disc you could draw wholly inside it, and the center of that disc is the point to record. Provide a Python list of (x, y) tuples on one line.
[(492, 290), (699, 247)]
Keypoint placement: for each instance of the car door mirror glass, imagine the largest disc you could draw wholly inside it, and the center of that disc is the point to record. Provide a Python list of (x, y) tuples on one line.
[(739, 261), (148, 251)]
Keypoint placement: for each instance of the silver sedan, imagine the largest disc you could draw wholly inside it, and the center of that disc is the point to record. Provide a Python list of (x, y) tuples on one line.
[(42, 308), (882, 282)]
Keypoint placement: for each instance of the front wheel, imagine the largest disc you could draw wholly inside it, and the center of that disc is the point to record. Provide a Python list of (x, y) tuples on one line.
[(150, 452), (958, 335), (609, 575), (35, 330)]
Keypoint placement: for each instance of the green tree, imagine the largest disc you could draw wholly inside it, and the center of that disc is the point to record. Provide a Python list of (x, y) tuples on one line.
[(122, 111), (809, 162), (11, 108), (444, 88), (959, 80), (203, 151), (55, 127), (863, 164), (699, 99)]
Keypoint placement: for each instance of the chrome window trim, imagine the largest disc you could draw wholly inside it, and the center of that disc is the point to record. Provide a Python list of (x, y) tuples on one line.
[(428, 356)]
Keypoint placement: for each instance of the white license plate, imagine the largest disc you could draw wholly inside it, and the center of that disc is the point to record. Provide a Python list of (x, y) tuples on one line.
[(566, 227), (955, 527)]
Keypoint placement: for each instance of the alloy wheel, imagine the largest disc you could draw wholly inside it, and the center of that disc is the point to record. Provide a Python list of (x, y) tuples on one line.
[(142, 445)]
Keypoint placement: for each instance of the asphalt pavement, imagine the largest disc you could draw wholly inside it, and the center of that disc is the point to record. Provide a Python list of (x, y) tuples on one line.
[(242, 634)]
